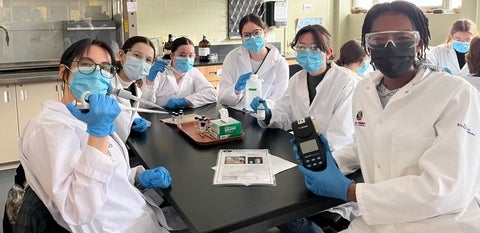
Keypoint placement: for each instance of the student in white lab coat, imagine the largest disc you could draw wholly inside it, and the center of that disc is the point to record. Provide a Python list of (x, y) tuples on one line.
[(179, 84), (254, 57), (76, 163), (416, 137), (134, 61), (353, 57), (322, 90), (451, 55)]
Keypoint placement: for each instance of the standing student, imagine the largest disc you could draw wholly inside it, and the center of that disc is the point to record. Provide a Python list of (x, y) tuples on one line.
[(321, 89), (180, 85), (416, 137), (255, 56), (353, 57), (135, 59), (76, 163), (451, 55)]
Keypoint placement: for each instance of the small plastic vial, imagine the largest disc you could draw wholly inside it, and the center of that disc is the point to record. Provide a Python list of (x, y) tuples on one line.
[(176, 118), (261, 110), (180, 116)]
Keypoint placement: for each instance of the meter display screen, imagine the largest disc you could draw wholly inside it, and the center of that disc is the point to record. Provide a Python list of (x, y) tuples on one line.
[(308, 146)]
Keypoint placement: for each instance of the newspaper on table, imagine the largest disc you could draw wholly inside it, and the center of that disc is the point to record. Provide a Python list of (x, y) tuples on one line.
[(243, 167)]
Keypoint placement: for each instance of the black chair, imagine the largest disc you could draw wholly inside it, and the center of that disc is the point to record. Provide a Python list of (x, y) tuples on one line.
[(293, 68)]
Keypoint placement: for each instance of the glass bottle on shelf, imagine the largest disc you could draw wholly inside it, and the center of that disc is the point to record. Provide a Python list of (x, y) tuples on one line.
[(167, 47), (204, 50)]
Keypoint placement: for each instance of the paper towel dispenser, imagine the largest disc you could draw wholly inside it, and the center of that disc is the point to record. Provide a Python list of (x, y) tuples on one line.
[(275, 13)]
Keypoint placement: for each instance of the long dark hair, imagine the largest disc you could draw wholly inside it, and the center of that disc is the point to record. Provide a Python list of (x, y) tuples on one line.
[(415, 14), (473, 56), (253, 18), (77, 49), (127, 46), (351, 52), (179, 42), (321, 36)]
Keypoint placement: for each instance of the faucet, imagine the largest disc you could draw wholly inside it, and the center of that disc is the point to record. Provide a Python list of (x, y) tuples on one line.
[(7, 38)]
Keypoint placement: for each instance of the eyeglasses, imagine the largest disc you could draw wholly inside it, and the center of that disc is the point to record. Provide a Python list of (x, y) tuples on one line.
[(139, 55), (87, 66), (186, 55), (255, 33), (402, 39), (300, 48)]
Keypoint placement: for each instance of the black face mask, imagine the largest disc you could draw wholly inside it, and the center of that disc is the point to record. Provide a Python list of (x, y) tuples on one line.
[(393, 61)]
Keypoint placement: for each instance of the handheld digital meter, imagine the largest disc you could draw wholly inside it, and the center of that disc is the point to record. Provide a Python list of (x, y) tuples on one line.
[(309, 146)]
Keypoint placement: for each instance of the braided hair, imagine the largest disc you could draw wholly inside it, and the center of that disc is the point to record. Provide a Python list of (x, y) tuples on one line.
[(415, 14)]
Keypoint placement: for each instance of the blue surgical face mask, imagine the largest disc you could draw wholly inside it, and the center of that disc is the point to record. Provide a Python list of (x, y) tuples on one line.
[(183, 64), (94, 82), (364, 68), (254, 44), (461, 47), (310, 61), (135, 68)]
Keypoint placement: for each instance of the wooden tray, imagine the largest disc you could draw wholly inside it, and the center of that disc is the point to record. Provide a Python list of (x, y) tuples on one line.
[(204, 139)]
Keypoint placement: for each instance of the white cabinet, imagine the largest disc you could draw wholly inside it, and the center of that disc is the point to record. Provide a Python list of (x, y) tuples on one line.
[(20, 102)]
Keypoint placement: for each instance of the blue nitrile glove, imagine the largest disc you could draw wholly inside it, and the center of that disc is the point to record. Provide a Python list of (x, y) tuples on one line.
[(101, 115), (177, 103), (155, 178), (158, 66), (446, 69), (254, 106), (242, 81), (329, 182), (139, 125)]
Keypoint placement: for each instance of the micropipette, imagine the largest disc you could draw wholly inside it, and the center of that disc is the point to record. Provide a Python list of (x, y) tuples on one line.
[(128, 95)]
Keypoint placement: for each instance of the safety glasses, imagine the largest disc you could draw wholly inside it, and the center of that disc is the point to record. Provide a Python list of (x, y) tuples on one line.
[(402, 39), (300, 48), (87, 66), (255, 33)]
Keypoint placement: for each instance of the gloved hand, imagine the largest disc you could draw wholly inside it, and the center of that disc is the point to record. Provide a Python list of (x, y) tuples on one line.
[(101, 115), (446, 69), (139, 125), (177, 103), (242, 81), (155, 178), (254, 106), (330, 182), (158, 66)]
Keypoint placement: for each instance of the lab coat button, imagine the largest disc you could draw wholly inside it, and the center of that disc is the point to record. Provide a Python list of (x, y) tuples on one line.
[(378, 166)]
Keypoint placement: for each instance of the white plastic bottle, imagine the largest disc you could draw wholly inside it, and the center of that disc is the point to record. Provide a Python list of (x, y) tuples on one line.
[(253, 89), (261, 110)]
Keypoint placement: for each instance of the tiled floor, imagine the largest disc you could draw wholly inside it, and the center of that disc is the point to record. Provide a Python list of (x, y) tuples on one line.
[(6, 181)]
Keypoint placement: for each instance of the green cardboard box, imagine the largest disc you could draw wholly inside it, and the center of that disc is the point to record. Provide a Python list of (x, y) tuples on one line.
[(222, 130)]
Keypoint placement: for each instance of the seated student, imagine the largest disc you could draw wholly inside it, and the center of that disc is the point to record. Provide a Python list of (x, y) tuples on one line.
[(473, 62), (76, 163), (322, 90), (254, 57), (135, 59), (180, 85), (353, 57), (451, 55)]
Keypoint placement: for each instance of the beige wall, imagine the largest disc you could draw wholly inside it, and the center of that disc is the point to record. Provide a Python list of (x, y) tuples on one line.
[(193, 18)]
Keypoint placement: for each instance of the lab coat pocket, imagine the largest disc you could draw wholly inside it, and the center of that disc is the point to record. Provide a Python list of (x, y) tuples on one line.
[(406, 152)]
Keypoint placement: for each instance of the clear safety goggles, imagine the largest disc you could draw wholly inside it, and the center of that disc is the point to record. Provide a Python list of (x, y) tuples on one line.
[(139, 55), (87, 66), (300, 48), (255, 33), (401, 39)]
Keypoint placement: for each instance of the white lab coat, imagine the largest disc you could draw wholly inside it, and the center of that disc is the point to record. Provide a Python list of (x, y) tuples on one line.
[(84, 189), (273, 72), (193, 86), (419, 156), (331, 107), (444, 55), (123, 123)]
